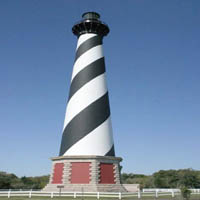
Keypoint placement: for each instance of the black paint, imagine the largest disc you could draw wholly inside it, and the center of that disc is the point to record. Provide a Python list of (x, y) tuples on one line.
[(88, 44), (85, 122), (111, 152), (87, 74), (90, 23)]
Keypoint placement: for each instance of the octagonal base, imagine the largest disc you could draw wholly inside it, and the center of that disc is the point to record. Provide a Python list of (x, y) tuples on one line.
[(85, 173)]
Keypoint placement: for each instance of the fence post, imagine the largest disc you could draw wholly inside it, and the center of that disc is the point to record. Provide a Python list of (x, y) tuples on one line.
[(74, 195), (139, 194), (51, 195), (156, 193), (120, 195), (9, 194), (29, 194), (172, 193), (97, 195)]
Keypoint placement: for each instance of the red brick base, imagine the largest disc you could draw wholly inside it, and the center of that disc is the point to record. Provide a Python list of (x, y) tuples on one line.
[(80, 172), (87, 173), (58, 173), (107, 174)]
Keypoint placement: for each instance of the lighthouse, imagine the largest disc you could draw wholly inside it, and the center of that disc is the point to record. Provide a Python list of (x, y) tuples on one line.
[(87, 158), (87, 126)]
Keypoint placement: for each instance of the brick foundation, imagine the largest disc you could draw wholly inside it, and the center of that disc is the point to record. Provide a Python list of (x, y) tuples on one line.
[(107, 173), (80, 173), (85, 173), (57, 173)]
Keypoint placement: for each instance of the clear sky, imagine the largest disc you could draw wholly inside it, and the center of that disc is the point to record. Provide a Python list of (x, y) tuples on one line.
[(153, 72)]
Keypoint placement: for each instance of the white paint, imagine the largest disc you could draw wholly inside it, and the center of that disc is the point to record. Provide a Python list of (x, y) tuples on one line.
[(120, 195), (84, 37), (173, 193), (100, 140), (160, 190), (86, 95), (156, 193), (97, 142), (139, 195), (87, 58), (112, 195)]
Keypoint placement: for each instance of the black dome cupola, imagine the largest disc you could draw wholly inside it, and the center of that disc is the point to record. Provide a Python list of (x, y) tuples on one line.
[(90, 23)]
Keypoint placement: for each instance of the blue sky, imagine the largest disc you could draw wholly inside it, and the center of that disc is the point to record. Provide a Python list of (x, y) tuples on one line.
[(153, 71)]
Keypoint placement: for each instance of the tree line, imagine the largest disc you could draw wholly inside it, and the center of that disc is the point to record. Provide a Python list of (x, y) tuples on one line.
[(11, 181), (162, 179), (165, 179)]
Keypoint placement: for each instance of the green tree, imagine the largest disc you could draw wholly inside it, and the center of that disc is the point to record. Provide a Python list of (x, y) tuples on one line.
[(6, 180), (185, 192), (190, 178)]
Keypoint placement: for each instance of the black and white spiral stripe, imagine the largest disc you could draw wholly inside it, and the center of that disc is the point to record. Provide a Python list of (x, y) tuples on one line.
[(87, 127)]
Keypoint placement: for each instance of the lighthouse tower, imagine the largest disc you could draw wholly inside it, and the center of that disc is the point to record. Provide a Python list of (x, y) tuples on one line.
[(87, 126), (87, 157)]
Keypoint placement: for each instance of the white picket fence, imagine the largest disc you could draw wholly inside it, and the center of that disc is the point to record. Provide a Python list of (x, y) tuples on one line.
[(167, 190), (98, 195)]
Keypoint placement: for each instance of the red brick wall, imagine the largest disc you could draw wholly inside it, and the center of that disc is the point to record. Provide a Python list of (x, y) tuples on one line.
[(80, 172), (58, 173), (107, 173)]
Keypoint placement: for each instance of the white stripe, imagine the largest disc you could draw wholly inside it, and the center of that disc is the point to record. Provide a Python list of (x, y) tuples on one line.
[(97, 142), (86, 95), (87, 58), (84, 37)]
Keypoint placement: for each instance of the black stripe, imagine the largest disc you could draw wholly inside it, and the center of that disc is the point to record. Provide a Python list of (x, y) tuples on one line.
[(111, 152), (85, 122), (87, 74), (88, 44)]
